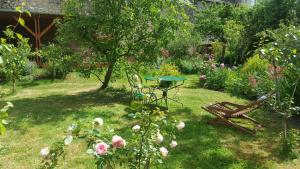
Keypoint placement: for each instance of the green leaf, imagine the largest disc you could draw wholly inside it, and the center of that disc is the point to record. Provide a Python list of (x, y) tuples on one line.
[(21, 21), (2, 129), (18, 9), (3, 40), (7, 48), (19, 36), (28, 13)]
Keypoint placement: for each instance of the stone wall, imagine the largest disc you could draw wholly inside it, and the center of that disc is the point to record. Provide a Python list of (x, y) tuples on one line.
[(34, 6)]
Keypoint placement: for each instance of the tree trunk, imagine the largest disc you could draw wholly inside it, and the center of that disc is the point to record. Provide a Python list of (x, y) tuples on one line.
[(223, 52), (107, 76), (14, 86)]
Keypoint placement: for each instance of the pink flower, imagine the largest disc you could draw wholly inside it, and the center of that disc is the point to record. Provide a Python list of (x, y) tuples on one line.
[(118, 142), (222, 65), (163, 151), (202, 77), (101, 148), (173, 144)]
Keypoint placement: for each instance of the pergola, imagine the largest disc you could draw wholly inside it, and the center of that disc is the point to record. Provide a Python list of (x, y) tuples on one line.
[(40, 27)]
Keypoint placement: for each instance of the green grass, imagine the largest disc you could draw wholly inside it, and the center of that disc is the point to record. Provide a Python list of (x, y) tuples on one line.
[(44, 109)]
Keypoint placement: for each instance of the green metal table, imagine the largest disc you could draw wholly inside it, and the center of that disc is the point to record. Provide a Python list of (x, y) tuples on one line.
[(167, 83)]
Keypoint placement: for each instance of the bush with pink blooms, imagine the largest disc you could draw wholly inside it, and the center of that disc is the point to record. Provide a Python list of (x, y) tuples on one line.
[(151, 140)]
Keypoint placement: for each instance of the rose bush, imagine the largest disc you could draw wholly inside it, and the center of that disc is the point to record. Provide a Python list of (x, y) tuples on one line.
[(147, 146)]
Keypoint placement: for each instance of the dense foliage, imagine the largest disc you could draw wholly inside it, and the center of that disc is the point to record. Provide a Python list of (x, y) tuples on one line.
[(111, 30), (14, 51)]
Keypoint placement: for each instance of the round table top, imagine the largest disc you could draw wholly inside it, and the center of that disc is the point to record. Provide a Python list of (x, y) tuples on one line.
[(167, 78)]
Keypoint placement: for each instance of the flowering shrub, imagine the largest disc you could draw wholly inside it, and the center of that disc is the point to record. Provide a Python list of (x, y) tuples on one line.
[(214, 79), (150, 143), (3, 117), (52, 155)]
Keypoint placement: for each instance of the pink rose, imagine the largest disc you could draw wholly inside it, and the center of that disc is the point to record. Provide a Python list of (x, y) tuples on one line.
[(163, 151), (118, 142), (222, 65), (173, 144), (202, 77), (101, 148)]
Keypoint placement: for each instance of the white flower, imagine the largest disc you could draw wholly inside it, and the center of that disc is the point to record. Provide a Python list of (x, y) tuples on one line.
[(68, 140), (163, 151), (136, 128), (180, 126), (173, 144), (45, 152), (159, 138), (98, 122)]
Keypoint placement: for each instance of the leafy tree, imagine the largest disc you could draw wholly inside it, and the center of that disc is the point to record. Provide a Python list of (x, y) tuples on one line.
[(213, 22), (109, 31), (58, 61), (14, 51), (283, 52), (268, 15)]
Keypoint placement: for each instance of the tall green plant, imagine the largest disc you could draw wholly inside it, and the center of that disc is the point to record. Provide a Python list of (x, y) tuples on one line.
[(14, 51), (116, 29), (59, 63), (284, 52)]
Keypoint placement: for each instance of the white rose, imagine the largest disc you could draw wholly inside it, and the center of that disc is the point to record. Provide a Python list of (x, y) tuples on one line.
[(159, 138), (98, 122), (136, 128), (45, 152), (180, 126), (173, 144)]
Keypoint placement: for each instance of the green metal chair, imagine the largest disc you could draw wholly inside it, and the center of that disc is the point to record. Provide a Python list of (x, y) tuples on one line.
[(138, 89)]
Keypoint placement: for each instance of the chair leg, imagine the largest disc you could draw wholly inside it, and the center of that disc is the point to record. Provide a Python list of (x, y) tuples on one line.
[(253, 120), (228, 122)]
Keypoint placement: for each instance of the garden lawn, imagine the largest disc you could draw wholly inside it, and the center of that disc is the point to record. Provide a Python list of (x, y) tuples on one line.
[(44, 109)]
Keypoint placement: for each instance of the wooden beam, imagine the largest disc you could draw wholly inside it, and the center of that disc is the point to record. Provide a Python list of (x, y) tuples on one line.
[(47, 29), (26, 27), (36, 32)]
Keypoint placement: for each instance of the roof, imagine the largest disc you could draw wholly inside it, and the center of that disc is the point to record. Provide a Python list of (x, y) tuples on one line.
[(34, 6)]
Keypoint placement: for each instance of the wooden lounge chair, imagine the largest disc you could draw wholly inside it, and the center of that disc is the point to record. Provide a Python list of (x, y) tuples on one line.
[(225, 111)]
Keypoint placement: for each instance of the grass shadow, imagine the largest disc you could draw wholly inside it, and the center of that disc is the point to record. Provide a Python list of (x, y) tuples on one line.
[(54, 108)]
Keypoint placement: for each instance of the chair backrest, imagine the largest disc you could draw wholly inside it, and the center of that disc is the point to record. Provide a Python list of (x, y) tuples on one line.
[(259, 102), (135, 80)]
